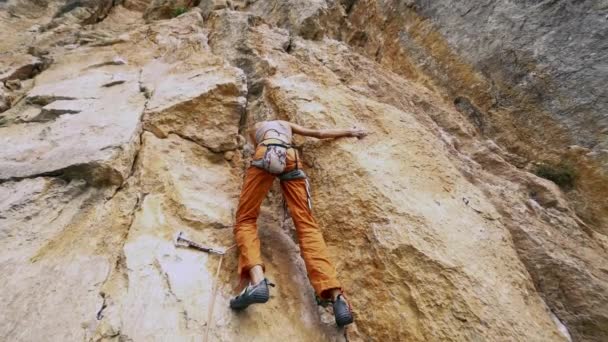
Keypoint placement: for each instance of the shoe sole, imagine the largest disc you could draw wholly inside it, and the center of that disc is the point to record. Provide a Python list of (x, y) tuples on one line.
[(255, 298), (342, 313), (343, 320)]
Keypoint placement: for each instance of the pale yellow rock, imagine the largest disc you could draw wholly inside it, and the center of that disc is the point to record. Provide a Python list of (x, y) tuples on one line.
[(135, 132), (107, 119), (229, 155), (201, 184), (204, 105), (58, 246)]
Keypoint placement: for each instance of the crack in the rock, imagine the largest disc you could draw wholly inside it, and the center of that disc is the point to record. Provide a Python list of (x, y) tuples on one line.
[(288, 47), (245, 113), (140, 141), (192, 140), (248, 62), (43, 100), (47, 115), (167, 285), (166, 280), (94, 173), (144, 90), (104, 305), (348, 5), (120, 267), (113, 83), (133, 166), (28, 71), (114, 62), (98, 10), (186, 317)]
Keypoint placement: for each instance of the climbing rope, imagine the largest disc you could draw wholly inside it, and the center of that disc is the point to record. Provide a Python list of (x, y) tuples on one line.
[(214, 293)]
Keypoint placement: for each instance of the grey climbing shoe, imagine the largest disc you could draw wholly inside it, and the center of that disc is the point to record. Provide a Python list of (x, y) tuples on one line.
[(342, 311), (252, 294)]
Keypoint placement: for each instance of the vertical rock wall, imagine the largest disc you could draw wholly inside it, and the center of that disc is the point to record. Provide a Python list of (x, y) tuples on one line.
[(121, 131)]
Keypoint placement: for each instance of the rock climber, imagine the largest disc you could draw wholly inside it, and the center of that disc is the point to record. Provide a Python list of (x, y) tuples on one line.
[(276, 157)]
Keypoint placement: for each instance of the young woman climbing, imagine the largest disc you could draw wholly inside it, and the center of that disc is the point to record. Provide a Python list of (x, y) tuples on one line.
[(275, 157)]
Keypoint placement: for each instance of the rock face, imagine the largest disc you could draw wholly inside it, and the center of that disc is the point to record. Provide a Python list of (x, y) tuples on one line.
[(82, 121), (526, 65), (123, 124)]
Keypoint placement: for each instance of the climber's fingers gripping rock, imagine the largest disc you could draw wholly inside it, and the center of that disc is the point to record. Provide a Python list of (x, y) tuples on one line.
[(358, 133)]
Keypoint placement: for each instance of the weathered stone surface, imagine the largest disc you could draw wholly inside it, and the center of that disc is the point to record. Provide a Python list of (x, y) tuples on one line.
[(553, 243), (167, 286), (101, 132), (506, 52), (438, 230), (4, 99), (19, 67), (536, 48), (83, 11), (204, 104), (136, 5), (58, 241), (207, 6), (302, 17), (203, 189), (163, 9)]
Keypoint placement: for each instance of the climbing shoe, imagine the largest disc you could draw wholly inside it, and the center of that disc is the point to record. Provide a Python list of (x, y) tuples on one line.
[(252, 294), (342, 311)]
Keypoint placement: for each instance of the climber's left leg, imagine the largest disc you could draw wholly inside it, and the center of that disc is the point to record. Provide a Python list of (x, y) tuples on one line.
[(321, 271)]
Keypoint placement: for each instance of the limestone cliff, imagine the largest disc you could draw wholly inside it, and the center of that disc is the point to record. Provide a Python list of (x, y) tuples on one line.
[(122, 123)]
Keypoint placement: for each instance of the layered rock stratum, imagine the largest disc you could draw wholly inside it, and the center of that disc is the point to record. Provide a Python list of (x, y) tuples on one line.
[(122, 123)]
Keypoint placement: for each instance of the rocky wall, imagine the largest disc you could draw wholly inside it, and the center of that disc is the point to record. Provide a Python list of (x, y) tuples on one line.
[(127, 129)]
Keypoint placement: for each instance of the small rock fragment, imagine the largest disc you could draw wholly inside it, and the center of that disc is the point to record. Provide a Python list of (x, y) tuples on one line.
[(229, 155), (241, 140), (13, 84), (578, 149), (119, 60), (36, 51), (34, 28), (6, 99)]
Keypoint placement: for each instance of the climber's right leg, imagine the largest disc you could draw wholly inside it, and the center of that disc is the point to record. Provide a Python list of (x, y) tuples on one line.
[(255, 187)]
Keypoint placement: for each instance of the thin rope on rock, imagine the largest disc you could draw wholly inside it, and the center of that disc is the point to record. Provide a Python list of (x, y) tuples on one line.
[(214, 293)]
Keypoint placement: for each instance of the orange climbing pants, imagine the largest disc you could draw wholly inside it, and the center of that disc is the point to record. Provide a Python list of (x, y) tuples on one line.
[(321, 272)]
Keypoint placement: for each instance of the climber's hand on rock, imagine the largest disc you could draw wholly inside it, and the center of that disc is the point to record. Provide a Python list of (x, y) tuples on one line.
[(357, 133)]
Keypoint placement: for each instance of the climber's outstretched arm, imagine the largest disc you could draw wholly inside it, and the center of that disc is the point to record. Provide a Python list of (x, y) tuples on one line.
[(327, 133)]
